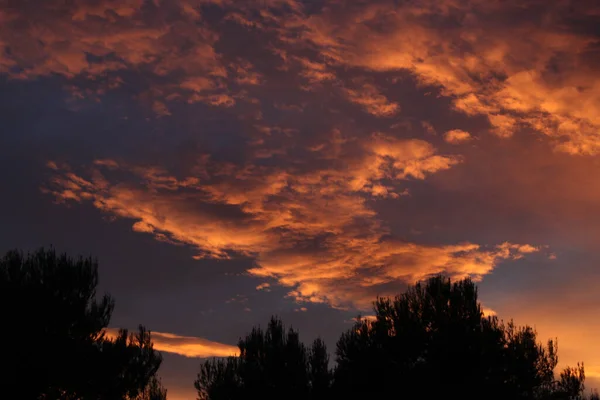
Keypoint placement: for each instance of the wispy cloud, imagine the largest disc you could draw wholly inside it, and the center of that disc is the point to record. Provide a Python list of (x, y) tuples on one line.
[(186, 346), (372, 100)]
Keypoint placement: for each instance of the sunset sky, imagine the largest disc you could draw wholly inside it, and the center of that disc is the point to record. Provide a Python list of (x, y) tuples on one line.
[(228, 160)]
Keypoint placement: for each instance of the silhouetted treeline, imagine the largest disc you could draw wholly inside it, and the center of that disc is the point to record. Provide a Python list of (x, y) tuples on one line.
[(432, 342), (53, 335)]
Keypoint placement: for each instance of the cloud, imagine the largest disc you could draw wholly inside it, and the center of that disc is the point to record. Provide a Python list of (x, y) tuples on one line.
[(518, 72), (355, 275), (186, 346), (301, 200), (488, 311), (312, 229), (160, 108), (302, 193), (264, 286), (456, 136), (316, 131), (371, 99), (537, 72), (98, 43)]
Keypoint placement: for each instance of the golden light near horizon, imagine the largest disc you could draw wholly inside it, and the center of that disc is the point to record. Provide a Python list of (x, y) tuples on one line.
[(191, 347)]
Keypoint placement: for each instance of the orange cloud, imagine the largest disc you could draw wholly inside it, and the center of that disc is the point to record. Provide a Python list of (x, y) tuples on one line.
[(98, 41), (314, 71), (456, 136), (311, 230), (488, 311), (371, 99), (351, 275), (523, 73), (186, 346), (303, 198), (264, 286)]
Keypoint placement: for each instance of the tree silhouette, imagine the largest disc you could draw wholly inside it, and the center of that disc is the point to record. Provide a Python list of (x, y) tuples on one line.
[(431, 342), (219, 380), (154, 390), (273, 364), (434, 342), (570, 385), (320, 375), (54, 331)]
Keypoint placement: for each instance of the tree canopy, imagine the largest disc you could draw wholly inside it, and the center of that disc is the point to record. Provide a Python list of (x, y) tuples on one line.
[(154, 390), (434, 341), (273, 364), (431, 342), (54, 330)]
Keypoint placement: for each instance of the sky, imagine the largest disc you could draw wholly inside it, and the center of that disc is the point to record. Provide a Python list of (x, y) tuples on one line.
[(229, 160)]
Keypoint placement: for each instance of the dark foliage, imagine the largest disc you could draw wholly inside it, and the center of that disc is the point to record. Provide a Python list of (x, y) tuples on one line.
[(153, 391), (432, 342), (272, 364), (54, 333), (318, 371)]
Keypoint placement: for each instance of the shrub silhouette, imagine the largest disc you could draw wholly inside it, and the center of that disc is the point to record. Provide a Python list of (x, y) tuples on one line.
[(54, 333)]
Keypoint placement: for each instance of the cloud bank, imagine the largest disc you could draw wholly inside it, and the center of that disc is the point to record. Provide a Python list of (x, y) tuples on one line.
[(311, 229), (523, 65)]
